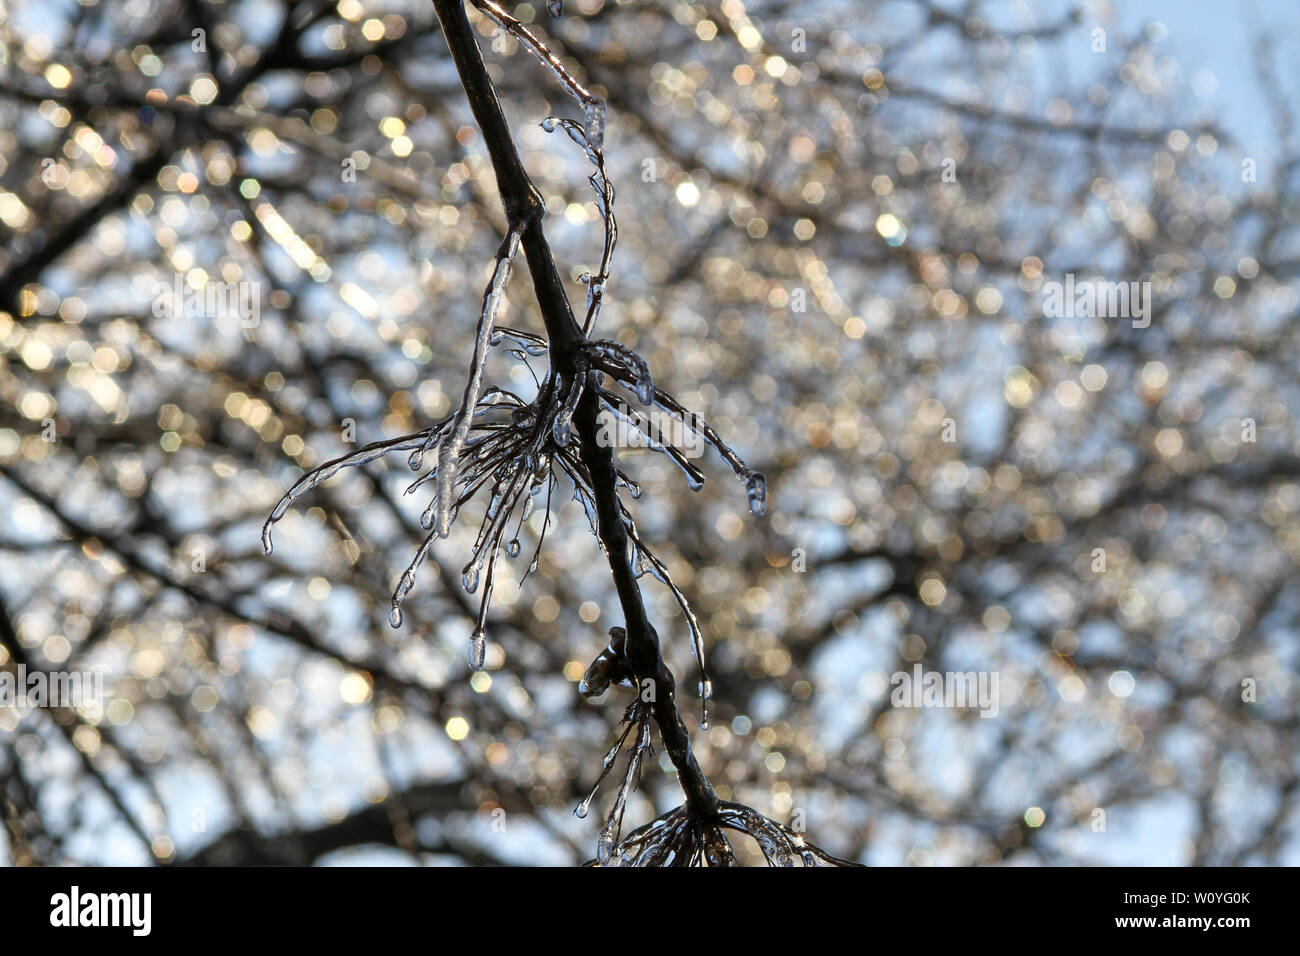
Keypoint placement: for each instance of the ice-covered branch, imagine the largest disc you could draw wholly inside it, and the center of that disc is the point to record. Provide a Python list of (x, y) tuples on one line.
[(460, 427), (496, 441), (593, 106)]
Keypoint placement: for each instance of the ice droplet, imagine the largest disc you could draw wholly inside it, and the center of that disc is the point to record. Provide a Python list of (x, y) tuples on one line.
[(512, 549), (395, 617), (645, 386), (756, 488), (706, 689), (469, 578), (581, 811), (694, 477), (477, 650), (555, 7)]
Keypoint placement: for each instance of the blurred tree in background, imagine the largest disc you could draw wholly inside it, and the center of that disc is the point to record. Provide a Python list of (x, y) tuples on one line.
[(242, 238)]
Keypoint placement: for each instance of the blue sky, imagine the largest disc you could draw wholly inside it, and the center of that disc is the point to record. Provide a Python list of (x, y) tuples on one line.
[(1217, 38)]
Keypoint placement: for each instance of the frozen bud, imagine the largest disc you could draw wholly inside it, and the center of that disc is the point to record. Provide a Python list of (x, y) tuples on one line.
[(608, 667)]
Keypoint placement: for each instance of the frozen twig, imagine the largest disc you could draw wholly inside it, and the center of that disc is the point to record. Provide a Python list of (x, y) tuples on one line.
[(497, 441), (593, 107), (491, 302)]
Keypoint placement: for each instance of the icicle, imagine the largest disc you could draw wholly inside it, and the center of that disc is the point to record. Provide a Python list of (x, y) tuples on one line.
[(562, 426), (595, 122), (491, 302), (267, 545), (555, 8), (469, 577), (530, 502), (427, 515), (505, 496), (756, 488), (407, 581), (694, 477), (477, 643), (477, 650), (584, 498), (605, 846)]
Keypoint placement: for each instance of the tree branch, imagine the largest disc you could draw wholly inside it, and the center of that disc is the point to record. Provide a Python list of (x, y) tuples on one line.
[(525, 209)]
